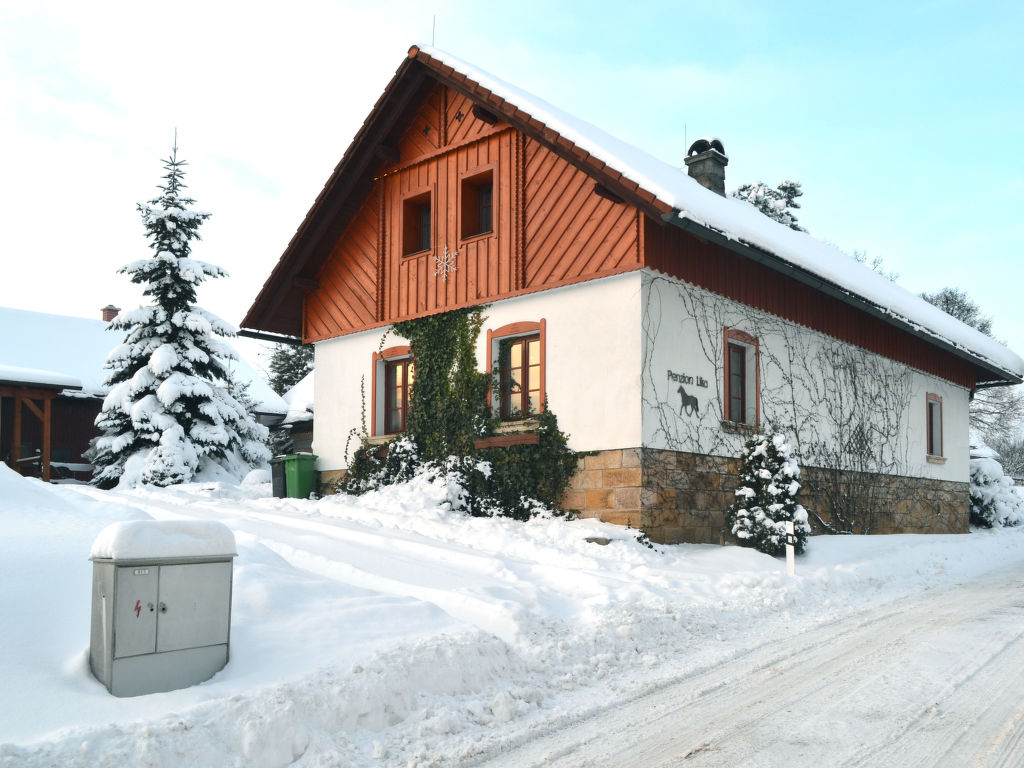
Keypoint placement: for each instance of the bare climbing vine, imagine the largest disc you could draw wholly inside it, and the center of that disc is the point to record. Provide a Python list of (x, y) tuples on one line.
[(845, 409)]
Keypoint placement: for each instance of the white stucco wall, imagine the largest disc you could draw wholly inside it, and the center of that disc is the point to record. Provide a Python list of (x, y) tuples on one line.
[(809, 385), (593, 353)]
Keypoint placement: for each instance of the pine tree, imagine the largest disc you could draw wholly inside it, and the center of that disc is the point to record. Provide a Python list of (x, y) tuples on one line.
[(170, 412), (774, 202), (289, 364), (766, 498)]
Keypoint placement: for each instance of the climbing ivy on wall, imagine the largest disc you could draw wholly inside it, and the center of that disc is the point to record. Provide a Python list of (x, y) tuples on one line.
[(448, 403), (448, 411)]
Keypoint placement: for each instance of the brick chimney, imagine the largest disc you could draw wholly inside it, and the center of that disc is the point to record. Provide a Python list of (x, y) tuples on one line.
[(706, 161), (109, 312)]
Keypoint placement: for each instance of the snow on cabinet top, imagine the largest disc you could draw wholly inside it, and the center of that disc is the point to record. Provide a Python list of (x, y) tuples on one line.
[(740, 221), (163, 539)]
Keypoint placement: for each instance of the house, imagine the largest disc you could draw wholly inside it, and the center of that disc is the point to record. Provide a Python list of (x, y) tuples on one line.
[(299, 419), (51, 389), (663, 322)]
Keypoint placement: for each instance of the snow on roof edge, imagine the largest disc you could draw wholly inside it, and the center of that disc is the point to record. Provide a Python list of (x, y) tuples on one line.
[(740, 221)]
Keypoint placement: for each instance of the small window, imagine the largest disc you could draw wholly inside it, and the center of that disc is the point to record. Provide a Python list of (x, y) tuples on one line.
[(393, 375), (741, 383), (398, 376), (934, 425), (416, 221), (517, 353), (520, 377), (477, 205)]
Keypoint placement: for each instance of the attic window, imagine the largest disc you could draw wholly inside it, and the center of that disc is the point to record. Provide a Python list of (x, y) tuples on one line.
[(477, 204), (416, 224)]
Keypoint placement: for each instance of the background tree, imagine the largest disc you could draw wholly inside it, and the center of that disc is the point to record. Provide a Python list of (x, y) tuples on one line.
[(170, 412), (289, 364), (774, 202), (996, 412)]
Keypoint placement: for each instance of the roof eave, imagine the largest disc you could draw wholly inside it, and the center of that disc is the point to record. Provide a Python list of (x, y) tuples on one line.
[(999, 376)]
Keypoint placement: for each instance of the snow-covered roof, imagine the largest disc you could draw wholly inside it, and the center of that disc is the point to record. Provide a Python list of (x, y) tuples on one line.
[(300, 401), (741, 222), (58, 350), (15, 375)]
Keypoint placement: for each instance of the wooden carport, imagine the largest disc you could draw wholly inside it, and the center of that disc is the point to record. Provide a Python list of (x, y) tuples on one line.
[(38, 399)]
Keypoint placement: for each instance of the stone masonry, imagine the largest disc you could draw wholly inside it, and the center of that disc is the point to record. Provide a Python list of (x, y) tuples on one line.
[(675, 496)]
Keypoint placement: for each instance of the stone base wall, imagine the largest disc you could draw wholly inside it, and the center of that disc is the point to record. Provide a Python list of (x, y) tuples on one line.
[(675, 496)]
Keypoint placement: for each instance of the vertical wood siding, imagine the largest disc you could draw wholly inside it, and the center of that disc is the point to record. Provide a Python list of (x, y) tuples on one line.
[(483, 264), (684, 256)]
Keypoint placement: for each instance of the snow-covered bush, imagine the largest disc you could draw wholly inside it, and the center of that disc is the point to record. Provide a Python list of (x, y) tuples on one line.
[(766, 497), (994, 501)]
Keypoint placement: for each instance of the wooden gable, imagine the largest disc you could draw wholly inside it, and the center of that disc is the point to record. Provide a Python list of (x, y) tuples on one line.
[(550, 225)]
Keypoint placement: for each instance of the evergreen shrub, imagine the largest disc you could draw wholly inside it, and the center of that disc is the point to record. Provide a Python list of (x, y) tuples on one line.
[(766, 498)]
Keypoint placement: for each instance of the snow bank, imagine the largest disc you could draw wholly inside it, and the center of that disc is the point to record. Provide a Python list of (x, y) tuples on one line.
[(386, 630), (137, 539)]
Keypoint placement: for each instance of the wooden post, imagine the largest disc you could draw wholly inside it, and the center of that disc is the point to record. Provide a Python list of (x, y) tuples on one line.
[(46, 439), (16, 445)]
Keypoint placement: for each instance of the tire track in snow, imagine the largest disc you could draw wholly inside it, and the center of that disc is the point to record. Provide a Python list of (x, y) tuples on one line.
[(858, 691)]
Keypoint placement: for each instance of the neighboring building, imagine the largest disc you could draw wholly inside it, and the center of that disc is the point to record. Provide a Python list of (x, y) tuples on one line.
[(51, 390), (663, 322), (299, 419)]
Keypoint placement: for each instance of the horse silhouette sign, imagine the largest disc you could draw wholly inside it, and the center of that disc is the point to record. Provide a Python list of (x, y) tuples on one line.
[(688, 404)]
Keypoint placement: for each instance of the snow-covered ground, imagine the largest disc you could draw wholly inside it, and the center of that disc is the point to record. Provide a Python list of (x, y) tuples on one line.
[(387, 631)]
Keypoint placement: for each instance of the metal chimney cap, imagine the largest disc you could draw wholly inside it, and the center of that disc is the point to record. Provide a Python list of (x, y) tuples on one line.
[(703, 145)]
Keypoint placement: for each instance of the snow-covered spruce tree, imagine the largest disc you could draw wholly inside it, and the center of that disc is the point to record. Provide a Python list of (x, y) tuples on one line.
[(170, 412), (289, 364), (766, 497), (777, 203)]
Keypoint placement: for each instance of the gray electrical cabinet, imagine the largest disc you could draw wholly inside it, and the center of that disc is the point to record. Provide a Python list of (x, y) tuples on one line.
[(161, 618)]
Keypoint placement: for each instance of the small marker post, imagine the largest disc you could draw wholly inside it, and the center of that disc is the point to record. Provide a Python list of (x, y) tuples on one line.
[(790, 549)]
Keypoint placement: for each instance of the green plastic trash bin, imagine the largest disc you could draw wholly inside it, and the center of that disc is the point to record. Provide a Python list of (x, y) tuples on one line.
[(299, 474)]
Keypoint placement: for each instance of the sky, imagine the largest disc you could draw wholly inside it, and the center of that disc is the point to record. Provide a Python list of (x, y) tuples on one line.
[(904, 122)]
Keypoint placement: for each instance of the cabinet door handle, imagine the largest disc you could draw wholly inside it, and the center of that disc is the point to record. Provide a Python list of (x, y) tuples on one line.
[(163, 607), (150, 607)]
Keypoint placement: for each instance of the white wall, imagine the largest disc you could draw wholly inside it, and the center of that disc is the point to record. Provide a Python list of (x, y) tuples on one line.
[(593, 354), (809, 384)]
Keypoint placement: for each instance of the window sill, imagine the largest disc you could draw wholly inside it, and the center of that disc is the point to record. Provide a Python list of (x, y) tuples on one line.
[(736, 428), (417, 253), (381, 439), (516, 426), (476, 236), (936, 459)]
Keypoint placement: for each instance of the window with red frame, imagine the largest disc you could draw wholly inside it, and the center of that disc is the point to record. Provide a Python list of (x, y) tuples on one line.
[(742, 381), (398, 378), (934, 410), (520, 376)]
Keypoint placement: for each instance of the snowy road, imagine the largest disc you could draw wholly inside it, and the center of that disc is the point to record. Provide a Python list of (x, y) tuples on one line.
[(936, 681)]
